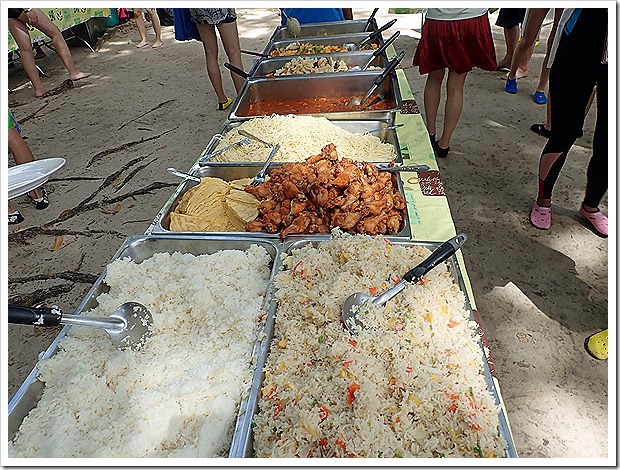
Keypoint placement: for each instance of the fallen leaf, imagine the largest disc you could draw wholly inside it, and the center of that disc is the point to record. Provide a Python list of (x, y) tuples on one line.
[(105, 211), (115, 182), (117, 208), (56, 244)]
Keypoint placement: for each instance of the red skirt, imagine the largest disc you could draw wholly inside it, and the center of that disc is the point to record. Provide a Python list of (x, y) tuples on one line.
[(458, 45)]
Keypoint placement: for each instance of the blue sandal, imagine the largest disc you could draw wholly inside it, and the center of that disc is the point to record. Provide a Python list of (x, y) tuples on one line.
[(540, 98)]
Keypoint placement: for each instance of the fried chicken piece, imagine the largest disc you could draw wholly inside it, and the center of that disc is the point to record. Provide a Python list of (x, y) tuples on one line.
[(393, 222), (289, 189), (371, 225), (298, 205), (299, 225), (267, 205), (262, 191), (346, 220), (255, 225)]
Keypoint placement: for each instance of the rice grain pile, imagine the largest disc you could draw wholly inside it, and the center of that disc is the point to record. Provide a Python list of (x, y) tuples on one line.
[(176, 397), (410, 385), (299, 137)]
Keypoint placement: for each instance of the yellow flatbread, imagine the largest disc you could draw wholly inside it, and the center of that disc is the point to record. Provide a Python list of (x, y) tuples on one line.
[(214, 206)]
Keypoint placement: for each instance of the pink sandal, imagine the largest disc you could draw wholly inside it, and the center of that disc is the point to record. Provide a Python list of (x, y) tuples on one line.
[(597, 219), (541, 217)]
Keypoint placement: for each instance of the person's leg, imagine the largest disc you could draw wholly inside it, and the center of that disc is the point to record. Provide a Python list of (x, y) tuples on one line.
[(230, 40), (432, 97), (511, 36), (137, 14), (525, 47), (453, 108), (22, 154), (45, 25), (156, 27), (597, 177), (19, 30), (209, 43)]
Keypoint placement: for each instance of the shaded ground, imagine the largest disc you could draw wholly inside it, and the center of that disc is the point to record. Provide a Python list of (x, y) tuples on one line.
[(539, 293)]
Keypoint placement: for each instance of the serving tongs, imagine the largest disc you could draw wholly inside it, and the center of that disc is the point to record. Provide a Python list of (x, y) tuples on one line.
[(128, 327), (353, 304), (203, 161), (237, 70), (386, 128), (181, 174), (253, 137), (371, 36), (379, 51), (370, 18), (357, 101), (258, 54)]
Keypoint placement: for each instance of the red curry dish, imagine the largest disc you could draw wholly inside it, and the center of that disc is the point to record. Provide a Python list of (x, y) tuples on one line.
[(326, 192), (314, 106)]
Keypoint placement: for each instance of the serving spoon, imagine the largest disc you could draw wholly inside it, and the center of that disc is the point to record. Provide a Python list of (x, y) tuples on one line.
[(292, 24), (128, 327), (354, 303)]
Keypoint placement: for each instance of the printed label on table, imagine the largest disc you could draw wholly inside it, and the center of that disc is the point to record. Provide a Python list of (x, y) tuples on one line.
[(410, 107), (431, 183)]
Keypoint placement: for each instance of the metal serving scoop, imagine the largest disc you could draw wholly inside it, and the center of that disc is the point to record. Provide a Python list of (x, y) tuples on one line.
[(175, 172), (129, 326), (357, 101), (354, 303), (292, 24)]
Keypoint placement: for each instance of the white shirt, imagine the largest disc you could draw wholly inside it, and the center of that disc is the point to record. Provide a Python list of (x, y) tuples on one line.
[(450, 14)]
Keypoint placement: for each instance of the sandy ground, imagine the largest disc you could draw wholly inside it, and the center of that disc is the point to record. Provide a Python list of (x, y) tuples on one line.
[(539, 293)]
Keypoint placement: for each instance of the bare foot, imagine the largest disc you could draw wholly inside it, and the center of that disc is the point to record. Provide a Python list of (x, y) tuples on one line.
[(142, 44), (502, 65), (80, 76), (41, 93), (521, 73), (157, 44)]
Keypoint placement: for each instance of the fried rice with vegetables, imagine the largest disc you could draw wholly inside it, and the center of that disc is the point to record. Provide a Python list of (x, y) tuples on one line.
[(410, 385)]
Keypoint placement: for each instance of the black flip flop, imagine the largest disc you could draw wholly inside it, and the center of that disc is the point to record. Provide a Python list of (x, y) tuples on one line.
[(540, 129)]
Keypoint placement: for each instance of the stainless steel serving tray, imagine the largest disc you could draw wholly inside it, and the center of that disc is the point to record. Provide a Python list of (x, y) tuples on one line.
[(331, 28), (386, 134), (336, 40), (242, 445), (138, 248), (331, 85), (232, 171), (268, 66)]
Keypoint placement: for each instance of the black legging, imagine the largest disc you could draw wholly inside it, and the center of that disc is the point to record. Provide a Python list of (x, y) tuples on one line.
[(576, 71)]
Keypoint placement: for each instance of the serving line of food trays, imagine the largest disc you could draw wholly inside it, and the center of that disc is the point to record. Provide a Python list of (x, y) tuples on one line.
[(234, 171), (140, 248), (159, 239)]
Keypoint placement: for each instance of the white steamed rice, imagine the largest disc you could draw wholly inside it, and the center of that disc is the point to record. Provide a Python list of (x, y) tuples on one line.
[(418, 365), (176, 397)]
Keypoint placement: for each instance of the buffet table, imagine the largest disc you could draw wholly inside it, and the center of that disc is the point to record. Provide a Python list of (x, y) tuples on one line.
[(64, 18), (306, 360)]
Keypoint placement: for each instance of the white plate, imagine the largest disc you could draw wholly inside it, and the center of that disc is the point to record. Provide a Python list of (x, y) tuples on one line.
[(28, 176)]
